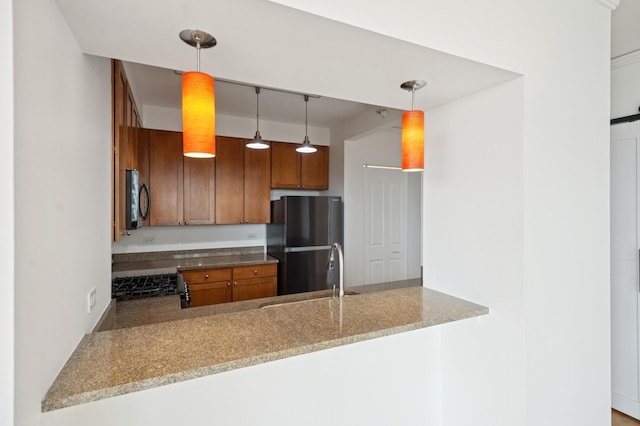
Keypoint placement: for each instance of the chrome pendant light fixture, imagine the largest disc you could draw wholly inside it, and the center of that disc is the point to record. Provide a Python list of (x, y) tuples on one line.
[(413, 131), (306, 147), (198, 102), (257, 142)]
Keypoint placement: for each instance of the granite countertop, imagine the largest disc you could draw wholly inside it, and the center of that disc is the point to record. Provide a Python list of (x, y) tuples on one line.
[(173, 261), (153, 310), (115, 362)]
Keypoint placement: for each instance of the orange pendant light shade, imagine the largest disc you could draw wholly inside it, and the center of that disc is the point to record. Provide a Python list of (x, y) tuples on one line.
[(413, 141), (198, 115)]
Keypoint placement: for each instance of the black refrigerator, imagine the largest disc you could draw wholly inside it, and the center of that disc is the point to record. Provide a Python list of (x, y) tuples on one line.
[(300, 235)]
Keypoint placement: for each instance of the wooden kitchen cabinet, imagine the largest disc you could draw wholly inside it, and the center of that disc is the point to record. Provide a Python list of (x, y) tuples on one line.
[(221, 285), (293, 170), (242, 182), (209, 286), (182, 189), (126, 140)]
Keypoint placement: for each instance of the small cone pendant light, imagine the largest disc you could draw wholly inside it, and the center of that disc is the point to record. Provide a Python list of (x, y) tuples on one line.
[(257, 142), (306, 147), (198, 103), (413, 132)]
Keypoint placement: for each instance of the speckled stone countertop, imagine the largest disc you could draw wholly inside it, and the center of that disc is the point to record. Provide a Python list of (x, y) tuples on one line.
[(125, 264), (152, 310), (110, 363)]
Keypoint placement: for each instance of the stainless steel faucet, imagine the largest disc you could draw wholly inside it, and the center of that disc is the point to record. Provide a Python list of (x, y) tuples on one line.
[(335, 247)]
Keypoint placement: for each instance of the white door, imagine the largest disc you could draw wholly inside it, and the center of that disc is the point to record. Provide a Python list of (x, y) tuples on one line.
[(385, 225), (625, 360)]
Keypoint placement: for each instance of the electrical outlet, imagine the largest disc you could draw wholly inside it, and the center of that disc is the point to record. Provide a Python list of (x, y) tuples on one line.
[(252, 236), (91, 299), (148, 239)]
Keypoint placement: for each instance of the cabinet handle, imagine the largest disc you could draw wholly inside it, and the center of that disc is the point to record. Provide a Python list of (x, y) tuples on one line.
[(228, 284), (179, 223), (235, 283), (255, 271), (206, 276), (186, 223)]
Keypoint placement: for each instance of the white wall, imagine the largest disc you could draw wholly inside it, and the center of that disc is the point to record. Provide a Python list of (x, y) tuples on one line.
[(381, 148), (154, 117), (62, 201), (163, 238), (474, 233), (565, 179), (214, 236), (7, 250), (625, 85)]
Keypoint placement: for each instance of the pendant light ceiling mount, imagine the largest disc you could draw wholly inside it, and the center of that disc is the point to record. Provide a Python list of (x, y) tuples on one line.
[(413, 85), (192, 37), (306, 147), (198, 102), (413, 131)]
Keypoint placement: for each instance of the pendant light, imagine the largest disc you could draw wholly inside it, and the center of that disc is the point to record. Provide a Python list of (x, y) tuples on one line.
[(306, 147), (413, 131), (198, 103), (257, 142)]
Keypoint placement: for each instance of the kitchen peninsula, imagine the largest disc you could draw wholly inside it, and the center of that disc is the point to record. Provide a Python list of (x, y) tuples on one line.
[(119, 361)]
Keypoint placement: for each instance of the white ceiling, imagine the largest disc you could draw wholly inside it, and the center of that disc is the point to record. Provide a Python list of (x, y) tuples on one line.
[(269, 45), (625, 28), (261, 43)]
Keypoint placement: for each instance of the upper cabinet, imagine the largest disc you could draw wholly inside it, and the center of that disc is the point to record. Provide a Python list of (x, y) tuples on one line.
[(293, 170), (242, 182), (182, 188), (129, 150)]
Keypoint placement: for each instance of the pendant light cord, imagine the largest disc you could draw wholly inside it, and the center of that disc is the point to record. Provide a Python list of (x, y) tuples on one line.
[(306, 103), (257, 110), (197, 37), (413, 98)]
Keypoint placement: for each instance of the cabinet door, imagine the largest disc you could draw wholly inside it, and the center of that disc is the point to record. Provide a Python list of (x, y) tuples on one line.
[(229, 180), (314, 169), (203, 294), (625, 302), (285, 167), (143, 166), (199, 190), (119, 148), (254, 288), (257, 185), (166, 177)]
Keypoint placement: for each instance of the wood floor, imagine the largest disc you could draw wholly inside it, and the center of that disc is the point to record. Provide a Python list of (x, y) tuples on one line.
[(619, 419)]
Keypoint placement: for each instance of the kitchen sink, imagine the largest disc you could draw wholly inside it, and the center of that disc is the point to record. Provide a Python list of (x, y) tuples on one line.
[(307, 300)]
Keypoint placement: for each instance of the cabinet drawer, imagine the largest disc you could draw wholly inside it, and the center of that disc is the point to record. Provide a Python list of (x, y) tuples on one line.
[(254, 271), (207, 275)]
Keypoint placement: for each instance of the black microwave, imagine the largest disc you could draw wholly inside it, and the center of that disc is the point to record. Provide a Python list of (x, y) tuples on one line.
[(137, 201)]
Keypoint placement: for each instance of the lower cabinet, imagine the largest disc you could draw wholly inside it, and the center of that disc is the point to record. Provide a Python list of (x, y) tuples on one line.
[(221, 285)]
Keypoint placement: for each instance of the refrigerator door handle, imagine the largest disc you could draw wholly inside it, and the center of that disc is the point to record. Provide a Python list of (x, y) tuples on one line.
[(301, 249)]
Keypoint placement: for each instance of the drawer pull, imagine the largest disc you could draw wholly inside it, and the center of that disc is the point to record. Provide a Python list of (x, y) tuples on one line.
[(206, 276), (255, 271), (228, 284)]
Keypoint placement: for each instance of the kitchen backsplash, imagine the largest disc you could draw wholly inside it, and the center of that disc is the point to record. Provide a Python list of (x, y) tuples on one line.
[(167, 238)]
